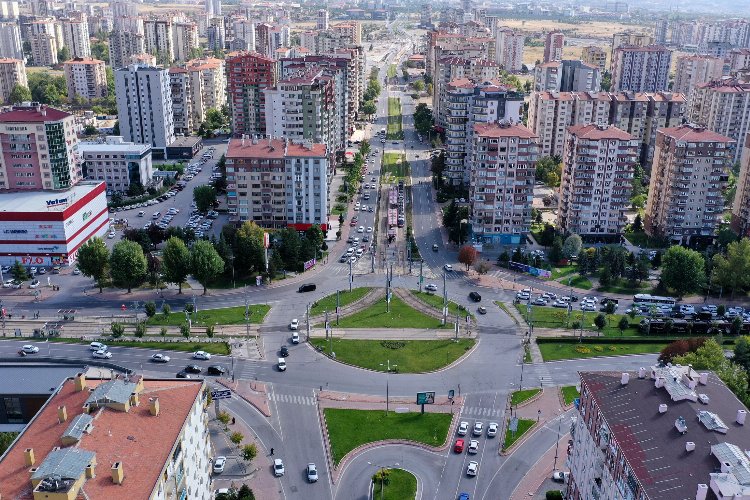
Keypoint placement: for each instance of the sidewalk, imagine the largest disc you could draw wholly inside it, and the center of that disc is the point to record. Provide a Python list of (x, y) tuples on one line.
[(541, 409), (539, 473)]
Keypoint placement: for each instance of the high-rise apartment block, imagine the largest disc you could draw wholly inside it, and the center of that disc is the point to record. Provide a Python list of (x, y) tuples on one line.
[(144, 106), (596, 183), (244, 35), (248, 75), (454, 68), (688, 177), (322, 23), (567, 76), (554, 42), (10, 40), (123, 45), (741, 205), (641, 69), (278, 183), (86, 78), (207, 86), (46, 40), (661, 28), (182, 101), (185, 40), (694, 70), (509, 49), (502, 164), (159, 39), (9, 9), (12, 73), (739, 59), (270, 37), (351, 32), (37, 149), (116, 162), (76, 37), (635, 39), (723, 107), (216, 34), (596, 56), (120, 9)]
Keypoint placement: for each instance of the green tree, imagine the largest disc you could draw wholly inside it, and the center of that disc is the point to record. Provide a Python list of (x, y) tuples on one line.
[(548, 171), (6, 438), (249, 452), (637, 225), (93, 261), (140, 329), (418, 85), (19, 93), (711, 356), (117, 330), (605, 277), (422, 118), (556, 253), (185, 330), (682, 270), (742, 352), (100, 50), (176, 262), (572, 246), (204, 197), (150, 308), (210, 331), (732, 271), (600, 321), (369, 108), (18, 271), (205, 262), (623, 325), (127, 264), (236, 437), (166, 310), (248, 248), (63, 54)]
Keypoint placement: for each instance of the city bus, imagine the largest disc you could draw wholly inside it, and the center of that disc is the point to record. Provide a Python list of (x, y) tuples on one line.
[(643, 299)]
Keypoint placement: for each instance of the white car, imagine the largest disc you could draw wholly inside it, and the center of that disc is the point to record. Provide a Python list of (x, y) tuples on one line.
[(295, 338), (448, 267), (200, 355), (431, 287), (463, 428), (472, 469), (361, 229), (102, 354), (492, 429), (30, 349), (97, 346), (34, 284), (8, 284), (473, 447), (278, 467), (111, 235), (478, 428), (369, 229), (219, 464), (312, 473), (294, 325), (160, 358)]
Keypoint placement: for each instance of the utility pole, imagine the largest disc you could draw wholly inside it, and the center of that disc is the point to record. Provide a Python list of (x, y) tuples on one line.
[(457, 326), (338, 303), (445, 300), (421, 277), (308, 321), (351, 277)]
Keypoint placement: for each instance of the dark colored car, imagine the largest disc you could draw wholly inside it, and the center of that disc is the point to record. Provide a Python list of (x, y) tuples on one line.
[(193, 369), (216, 370), (307, 287), (435, 248), (475, 297), (182, 374), (284, 351)]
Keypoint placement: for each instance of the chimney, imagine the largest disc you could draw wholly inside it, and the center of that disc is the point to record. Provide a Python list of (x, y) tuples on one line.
[(662, 408), (154, 406), (118, 475), (660, 382), (704, 378), (689, 446), (741, 414), (702, 492), (62, 414), (28, 457), (726, 468), (134, 400), (625, 378), (91, 471), (80, 382), (641, 372)]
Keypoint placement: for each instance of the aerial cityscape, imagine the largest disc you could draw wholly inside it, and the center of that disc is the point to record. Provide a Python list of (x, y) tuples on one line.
[(374, 250)]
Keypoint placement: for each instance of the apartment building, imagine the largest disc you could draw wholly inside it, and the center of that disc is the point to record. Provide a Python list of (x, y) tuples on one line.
[(86, 78), (46, 40), (509, 49), (567, 76), (659, 433), (595, 56), (270, 37), (739, 59), (322, 20), (123, 45), (37, 149), (248, 75), (144, 106), (159, 39), (278, 183), (9, 9), (468, 103), (741, 205), (116, 162), (502, 164), (213, 7), (10, 40), (244, 35), (185, 40), (12, 73), (216, 34), (641, 69), (121, 8), (76, 36), (350, 32), (454, 68), (723, 107), (75, 445), (694, 70), (596, 183), (207, 86), (626, 38), (554, 42), (182, 100), (688, 177)]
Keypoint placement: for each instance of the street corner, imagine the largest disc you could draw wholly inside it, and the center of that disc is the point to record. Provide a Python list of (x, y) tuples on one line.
[(252, 392)]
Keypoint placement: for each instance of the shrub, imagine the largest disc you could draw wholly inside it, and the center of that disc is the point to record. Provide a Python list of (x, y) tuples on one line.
[(553, 495), (166, 309), (582, 349), (140, 329), (185, 330), (236, 437), (163, 331), (393, 344), (210, 331), (189, 307), (223, 417), (150, 308), (117, 330), (249, 452)]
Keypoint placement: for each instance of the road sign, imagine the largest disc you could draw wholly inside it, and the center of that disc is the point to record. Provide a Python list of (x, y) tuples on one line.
[(451, 393), (221, 394), (426, 398), (513, 426)]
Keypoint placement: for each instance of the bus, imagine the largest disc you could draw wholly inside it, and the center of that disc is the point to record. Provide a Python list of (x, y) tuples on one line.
[(643, 299)]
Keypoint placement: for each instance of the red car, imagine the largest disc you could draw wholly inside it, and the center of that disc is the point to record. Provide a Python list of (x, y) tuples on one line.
[(459, 446)]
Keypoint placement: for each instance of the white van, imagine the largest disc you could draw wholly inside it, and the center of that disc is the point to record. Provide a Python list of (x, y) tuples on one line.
[(282, 364), (156, 215)]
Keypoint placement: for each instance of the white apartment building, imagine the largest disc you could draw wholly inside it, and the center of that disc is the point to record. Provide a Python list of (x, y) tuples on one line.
[(694, 70), (46, 40), (9, 9), (116, 162), (567, 76), (182, 100), (86, 78), (596, 183), (739, 59), (76, 37), (123, 45), (185, 40), (207, 86), (453, 68), (12, 73), (509, 49), (244, 35), (641, 68), (144, 106), (278, 183), (159, 39), (10, 40), (502, 164), (216, 33), (723, 107), (322, 23)]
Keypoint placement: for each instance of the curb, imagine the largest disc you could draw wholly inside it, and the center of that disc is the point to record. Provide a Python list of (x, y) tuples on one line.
[(531, 399), (529, 432), (264, 411)]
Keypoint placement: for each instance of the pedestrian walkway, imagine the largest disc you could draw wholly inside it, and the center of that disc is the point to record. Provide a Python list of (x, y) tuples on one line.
[(373, 296), (542, 470), (292, 399)]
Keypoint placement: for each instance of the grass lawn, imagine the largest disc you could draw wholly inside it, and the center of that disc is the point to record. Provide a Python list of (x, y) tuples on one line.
[(436, 301), (519, 397), (395, 165), (345, 298), (348, 429), (569, 393), (211, 347), (223, 316), (623, 286), (524, 425), (401, 485), (394, 130), (562, 271), (578, 281), (555, 351), (554, 317), (411, 356), (391, 72), (400, 316)]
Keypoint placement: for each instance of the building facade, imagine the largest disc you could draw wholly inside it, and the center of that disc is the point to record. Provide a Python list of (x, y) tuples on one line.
[(207, 86), (123, 45), (596, 56), (185, 40), (182, 100), (554, 42), (741, 205), (641, 69), (596, 183), (86, 78), (509, 49), (46, 40), (695, 70), (12, 73), (567, 76), (76, 37), (689, 174), (248, 75), (117, 163), (10, 40), (723, 107), (159, 39)]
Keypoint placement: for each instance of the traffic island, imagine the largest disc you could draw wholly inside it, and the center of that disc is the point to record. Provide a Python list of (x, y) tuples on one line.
[(569, 394), (555, 349), (342, 299), (211, 317), (524, 397), (394, 484), (397, 314)]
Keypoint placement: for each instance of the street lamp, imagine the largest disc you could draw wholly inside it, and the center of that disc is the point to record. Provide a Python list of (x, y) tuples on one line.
[(387, 364), (382, 476)]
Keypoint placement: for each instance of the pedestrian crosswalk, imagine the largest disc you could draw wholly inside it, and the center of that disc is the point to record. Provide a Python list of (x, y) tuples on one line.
[(292, 399), (545, 378), (477, 412)]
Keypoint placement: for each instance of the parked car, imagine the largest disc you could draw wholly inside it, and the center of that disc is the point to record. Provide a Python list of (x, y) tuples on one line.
[(560, 476), (312, 473), (278, 467), (219, 464)]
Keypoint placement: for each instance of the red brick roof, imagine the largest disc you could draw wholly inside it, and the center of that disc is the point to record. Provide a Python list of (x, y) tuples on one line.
[(83, 60), (495, 130), (691, 133), (40, 114), (272, 148), (595, 132)]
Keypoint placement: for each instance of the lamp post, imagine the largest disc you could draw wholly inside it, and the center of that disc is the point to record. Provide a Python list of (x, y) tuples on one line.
[(387, 364), (382, 477), (557, 444)]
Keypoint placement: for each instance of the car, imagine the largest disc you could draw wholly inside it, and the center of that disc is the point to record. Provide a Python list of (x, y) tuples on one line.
[(30, 349), (56, 270), (475, 297), (312, 473), (281, 363), (539, 301), (369, 209), (473, 447), (33, 271), (482, 310), (193, 369), (216, 370), (369, 229), (219, 464), (16, 284), (160, 358), (463, 496), (294, 325), (141, 213), (361, 229), (42, 270), (472, 468), (463, 428), (102, 354), (295, 338), (434, 247), (559, 303), (448, 267), (8, 283), (111, 235), (588, 307), (458, 447), (97, 346), (34, 284), (76, 271), (478, 428), (523, 295), (307, 287), (431, 287), (284, 351), (492, 429), (560, 476), (278, 467), (201, 355)]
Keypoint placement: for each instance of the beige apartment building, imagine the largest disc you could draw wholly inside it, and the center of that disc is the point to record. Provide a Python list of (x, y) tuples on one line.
[(86, 78), (596, 56), (741, 206), (12, 73), (694, 70)]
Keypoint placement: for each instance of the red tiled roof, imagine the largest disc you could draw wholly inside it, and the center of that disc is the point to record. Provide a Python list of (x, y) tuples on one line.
[(595, 132), (495, 130), (273, 148), (690, 133), (82, 60), (33, 114)]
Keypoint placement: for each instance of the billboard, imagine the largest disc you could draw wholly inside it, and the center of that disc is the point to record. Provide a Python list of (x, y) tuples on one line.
[(426, 398)]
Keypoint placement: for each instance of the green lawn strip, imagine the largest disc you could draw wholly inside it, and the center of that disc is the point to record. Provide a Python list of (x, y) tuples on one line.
[(569, 393), (502, 306), (562, 271), (211, 347), (346, 297), (524, 425), (401, 315), (410, 356), (392, 166), (394, 130), (518, 397), (348, 429), (223, 316), (555, 317), (527, 354), (401, 485), (554, 351), (391, 72), (436, 301), (623, 287)]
